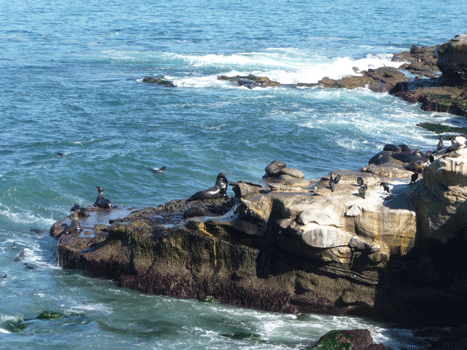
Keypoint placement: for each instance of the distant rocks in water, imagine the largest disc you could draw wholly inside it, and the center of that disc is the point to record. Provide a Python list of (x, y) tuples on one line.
[(101, 201), (159, 81), (348, 339), (250, 81), (218, 190)]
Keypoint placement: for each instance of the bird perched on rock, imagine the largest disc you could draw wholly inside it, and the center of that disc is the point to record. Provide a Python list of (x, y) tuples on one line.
[(157, 170), (331, 183), (362, 191), (360, 181), (337, 179), (413, 178), (430, 156), (101, 201), (440, 144), (385, 187)]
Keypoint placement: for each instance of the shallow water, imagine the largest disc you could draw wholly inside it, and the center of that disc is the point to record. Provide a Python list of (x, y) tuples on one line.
[(71, 82)]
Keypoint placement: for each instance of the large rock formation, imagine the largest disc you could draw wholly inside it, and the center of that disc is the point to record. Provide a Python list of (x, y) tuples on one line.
[(289, 244), (452, 59)]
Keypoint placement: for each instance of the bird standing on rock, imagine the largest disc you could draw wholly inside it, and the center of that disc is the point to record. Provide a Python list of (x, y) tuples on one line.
[(360, 181), (337, 179), (331, 183), (385, 187), (413, 178), (101, 201), (362, 191), (440, 144)]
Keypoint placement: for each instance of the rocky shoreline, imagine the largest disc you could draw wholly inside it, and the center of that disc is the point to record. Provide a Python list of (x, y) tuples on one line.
[(378, 242), (437, 78)]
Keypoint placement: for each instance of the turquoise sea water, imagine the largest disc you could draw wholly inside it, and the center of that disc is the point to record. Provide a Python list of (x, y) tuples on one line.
[(71, 82)]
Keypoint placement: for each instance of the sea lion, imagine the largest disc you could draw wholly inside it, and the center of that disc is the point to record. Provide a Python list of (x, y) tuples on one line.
[(157, 170), (81, 211), (101, 201), (218, 190), (74, 227)]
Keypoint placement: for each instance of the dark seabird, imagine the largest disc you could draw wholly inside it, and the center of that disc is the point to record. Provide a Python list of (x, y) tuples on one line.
[(59, 154), (360, 181), (20, 256), (385, 187), (430, 156), (362, 191), (331, 183), (157, 170), (4, 276), (413, 178), (101, 201), (337, 179), (440, 144)]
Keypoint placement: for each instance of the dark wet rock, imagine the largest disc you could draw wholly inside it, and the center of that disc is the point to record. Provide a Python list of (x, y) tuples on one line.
[(50, 315), (159, 81), (250, 81), (452, 60), (358, 339), (454, 339), (421, 61)]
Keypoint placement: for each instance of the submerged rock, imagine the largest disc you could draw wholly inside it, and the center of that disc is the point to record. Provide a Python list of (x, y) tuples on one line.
[(348, 339)]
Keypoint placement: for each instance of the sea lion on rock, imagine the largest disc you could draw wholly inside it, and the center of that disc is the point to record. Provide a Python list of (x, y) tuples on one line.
[(274, 168), (81, 211), (218, 190), (74, 227), (101, 201)]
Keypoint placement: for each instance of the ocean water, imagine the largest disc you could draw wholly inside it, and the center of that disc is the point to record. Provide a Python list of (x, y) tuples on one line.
[(71, 82)]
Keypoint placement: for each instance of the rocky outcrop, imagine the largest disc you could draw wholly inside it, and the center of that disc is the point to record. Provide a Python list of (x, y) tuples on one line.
[(159, 81), (250, 81), (358, 339), (288, 244), (452, 60)]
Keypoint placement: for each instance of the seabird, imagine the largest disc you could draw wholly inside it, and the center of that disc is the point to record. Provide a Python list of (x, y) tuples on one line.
[(337, 179), (331, 183), (440, 143), (101, 201), (385, 187), (362, 191), (360, 181), (413, 178)]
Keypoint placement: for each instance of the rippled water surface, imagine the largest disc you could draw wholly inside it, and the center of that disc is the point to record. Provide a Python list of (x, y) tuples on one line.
[(71, 82)]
